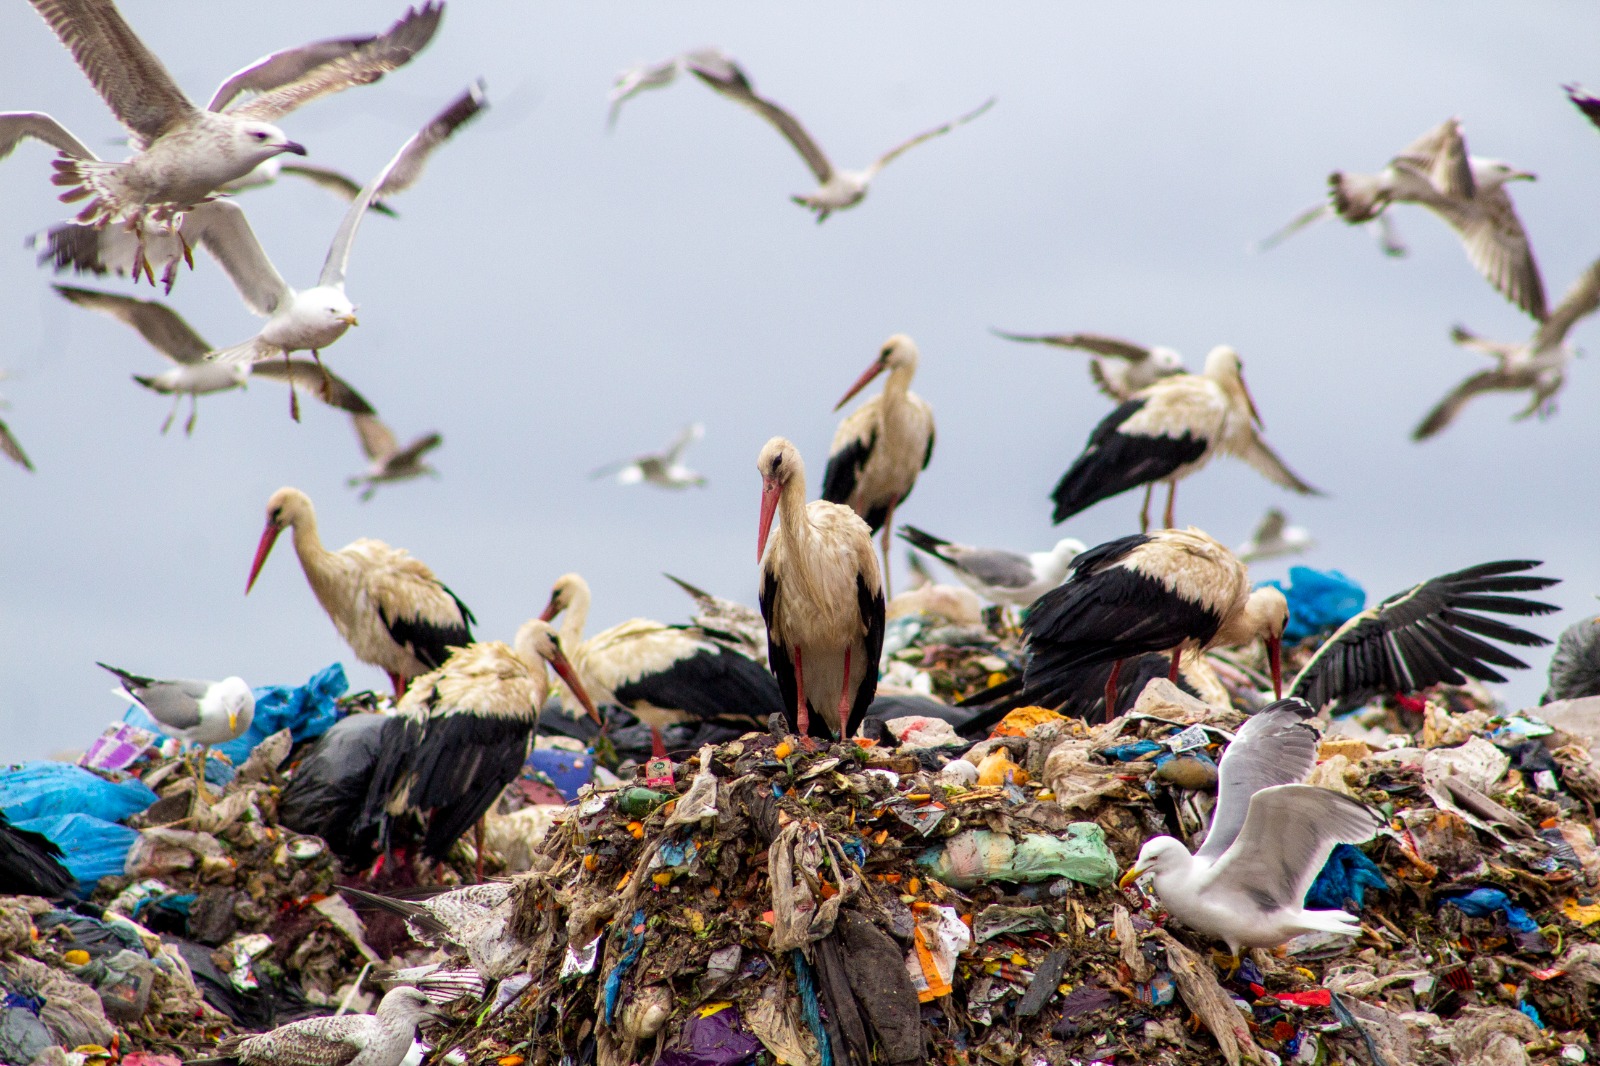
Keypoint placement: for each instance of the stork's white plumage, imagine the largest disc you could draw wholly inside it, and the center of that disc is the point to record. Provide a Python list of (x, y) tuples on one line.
[(386, 460), (881, 447), (385, 603), (461, 733), (663, 674), (1166, 591), (1000, 576), (1118, 368), (1467, 191), (192, 376), (1169, 431), (822, 598), (1274, 537), (1538, 366), (836, 189)]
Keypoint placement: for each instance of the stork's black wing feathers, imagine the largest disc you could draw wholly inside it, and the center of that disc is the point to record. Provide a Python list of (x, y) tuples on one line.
[(30, 863), (713, 685), (871, 606), (1114, 462), (1425, 636), (1077, 694), (782, 664), (428, 641), (844, 468)]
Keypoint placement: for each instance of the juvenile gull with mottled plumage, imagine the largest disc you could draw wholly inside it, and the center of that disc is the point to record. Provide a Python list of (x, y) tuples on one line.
[(380, 1039), (1118, 368)]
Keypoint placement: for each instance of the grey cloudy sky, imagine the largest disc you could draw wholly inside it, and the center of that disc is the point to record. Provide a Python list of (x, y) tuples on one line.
[(555, 297)]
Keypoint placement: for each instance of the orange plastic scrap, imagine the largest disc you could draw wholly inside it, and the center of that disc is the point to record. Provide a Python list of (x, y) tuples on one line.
[(1024, 720)]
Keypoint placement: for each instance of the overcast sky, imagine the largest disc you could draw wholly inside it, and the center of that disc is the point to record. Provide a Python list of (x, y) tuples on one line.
[(555, 297)]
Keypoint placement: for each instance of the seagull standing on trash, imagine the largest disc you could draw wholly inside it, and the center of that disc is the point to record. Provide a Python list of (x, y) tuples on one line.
[(663, 674), (1167, 432), (385, 603), (379, 1039), (1269, 837), (879, 450), (664, 468), (836, 189), (1538, 366), (1427, 635), (461, 733), (200, 712), (821, 597), (1118, 368), (1169, 591), (1003, 577)]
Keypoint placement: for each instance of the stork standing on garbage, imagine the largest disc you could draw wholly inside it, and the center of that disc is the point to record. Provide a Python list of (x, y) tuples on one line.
[(822, 598), (384, 602), (879, 450)]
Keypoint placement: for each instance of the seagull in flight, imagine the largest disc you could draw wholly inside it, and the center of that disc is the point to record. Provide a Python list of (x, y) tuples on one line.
[(191, 375), (646, 76), (1118, 368), (664, 468), (836, 189), (1538, 365), (387, 461), (1273, 538), (184, 153), (1468, 192)]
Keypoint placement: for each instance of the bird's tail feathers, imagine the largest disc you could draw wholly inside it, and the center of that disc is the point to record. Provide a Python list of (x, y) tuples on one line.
[(920, 539), (1331, 922), (83, 178), (1356, 197)]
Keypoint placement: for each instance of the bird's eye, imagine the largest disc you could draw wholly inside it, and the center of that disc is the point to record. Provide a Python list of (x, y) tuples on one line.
[(885, 353), (258, 135)]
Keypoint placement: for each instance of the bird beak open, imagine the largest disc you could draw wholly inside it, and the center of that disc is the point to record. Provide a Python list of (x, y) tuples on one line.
[(349, 320), (294, 148), (862, 382), (268, 536), (771, 489), (1133, 874), (1275, 658), (563, 667)]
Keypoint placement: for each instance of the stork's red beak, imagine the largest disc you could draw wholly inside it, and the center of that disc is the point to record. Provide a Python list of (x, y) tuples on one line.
[(564, 668), (770, 491), (268, 536), (551, 609), (1275, 658), (862, 382)]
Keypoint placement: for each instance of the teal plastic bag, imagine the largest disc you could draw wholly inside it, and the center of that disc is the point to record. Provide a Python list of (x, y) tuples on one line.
[(91, 847), (43, 789)]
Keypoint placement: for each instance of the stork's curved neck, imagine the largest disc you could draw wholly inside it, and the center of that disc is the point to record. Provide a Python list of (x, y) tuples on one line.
[(794, 525), (898, 384), (315, 559), (577, 616)]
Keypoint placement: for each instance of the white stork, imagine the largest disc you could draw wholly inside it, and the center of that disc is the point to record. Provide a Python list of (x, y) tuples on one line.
[(879, 450), (462, 732), (1118, 368), (1168, 591), (822, 598), (385, 603), (1426, 635), (1169, 431), (1000, 576), (663, 674)]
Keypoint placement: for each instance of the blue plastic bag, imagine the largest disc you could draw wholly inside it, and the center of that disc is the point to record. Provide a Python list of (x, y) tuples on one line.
[(1344, 880), (1482, 902), (92, 847), (47, 789), (568, 771), (1320, 601)]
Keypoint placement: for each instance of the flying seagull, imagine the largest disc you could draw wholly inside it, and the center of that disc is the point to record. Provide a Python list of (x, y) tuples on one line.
[(1119, 368), (1269, 836), (312, 319), (192, 375), (646, 76), (1539, 364), (183, 153), (664, 468), (1274, 537), (9, 447), (1467, 191), (1584, 101), (387, 461), (836, 189)]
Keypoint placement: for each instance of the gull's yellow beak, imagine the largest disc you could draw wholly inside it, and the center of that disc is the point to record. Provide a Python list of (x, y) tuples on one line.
[(1130, 877), (349, 320), (233, 721)]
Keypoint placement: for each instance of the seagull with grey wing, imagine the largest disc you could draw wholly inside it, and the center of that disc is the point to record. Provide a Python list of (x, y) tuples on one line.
[(383, 1038), (1468, 192), (1118, 368), (999, 576), (183, 153), (1273, 538), (311, 319), (387, 461), (194, 377), (1269, 837), (200, 712), (836, 189), (1539, 365), (476, 920), (647, 76), (664, 468)]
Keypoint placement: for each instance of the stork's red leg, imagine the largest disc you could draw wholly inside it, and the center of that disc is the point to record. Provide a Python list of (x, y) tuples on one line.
[(845, 696), (802, 715), (399, 685), (1172, 675), (658, 744), (1144, 511), (1111, 690), (1172, 496)]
